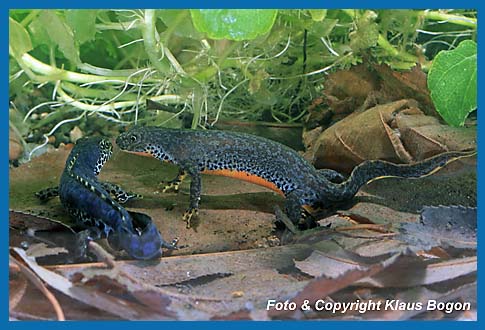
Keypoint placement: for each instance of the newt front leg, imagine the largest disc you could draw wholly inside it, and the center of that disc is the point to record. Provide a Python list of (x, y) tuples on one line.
[(194, 199), (195, 191), (120, 195)]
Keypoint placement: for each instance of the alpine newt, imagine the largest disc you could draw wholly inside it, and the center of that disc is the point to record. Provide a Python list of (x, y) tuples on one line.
[(89, 202), (266, 163)]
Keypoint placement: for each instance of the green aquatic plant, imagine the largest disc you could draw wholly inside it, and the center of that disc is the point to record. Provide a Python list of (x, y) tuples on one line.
[(233, 24), (106, 64), (452, 81)]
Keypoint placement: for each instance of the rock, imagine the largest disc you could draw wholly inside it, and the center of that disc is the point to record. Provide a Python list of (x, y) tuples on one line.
[(15, 148), (75, 134)]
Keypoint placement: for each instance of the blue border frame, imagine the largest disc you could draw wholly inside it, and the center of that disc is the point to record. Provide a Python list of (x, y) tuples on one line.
[(4, 175)]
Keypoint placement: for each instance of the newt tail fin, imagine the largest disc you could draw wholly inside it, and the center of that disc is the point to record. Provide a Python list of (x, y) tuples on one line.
[(372, 170)]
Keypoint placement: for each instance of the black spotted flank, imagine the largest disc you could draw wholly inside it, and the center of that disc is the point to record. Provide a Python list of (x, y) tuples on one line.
[(275, 165)]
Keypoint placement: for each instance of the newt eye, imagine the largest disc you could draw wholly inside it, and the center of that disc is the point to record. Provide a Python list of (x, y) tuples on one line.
[(133, 138)]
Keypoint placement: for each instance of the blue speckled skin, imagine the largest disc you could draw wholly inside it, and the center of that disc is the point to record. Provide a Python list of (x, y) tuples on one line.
[(84, 202), (90, 204), (302, 185)]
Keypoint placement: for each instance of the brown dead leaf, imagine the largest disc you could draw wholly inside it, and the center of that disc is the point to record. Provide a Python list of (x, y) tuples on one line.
[(23, 221), (366, 240), (33, 307), (422, 296), (346, 90), (322, 286), (328, 265), (405, 84), (42, 250), (364, 86), (259, 286), (334, 262), (200, 286), (35, 280), (186, 269), (26, 230), (119, 284), (396, 142), (17, 286), (414, 271), (364, 212), (102, 300), (358, 137), (424, 136), (398, 132)]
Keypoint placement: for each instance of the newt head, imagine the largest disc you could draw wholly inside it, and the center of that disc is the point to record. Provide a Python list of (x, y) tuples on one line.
[(131, 140), (144, 141), (90, 152)]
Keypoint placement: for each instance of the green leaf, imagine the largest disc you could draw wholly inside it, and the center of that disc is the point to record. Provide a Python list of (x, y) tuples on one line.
[(19, 40), (452, 81), (82, 23), (233, 24), (367, 32), (318, 14), (178, 22), (39, 34), (60, 34), (323, 28)]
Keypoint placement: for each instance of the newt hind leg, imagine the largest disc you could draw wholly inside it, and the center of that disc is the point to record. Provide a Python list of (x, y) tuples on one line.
[(173, 185), (46, 194), (299, 209), (294, 207)]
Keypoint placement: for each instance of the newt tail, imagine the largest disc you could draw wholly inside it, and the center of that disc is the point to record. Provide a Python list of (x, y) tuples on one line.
[(373, 170)]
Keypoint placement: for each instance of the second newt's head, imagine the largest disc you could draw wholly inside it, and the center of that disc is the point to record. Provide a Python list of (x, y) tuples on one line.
[(90, 153), (137, 140), (132, 140), (144, 141)]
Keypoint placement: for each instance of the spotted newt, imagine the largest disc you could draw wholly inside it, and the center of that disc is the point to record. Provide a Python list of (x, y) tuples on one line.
[(89, 202), (266, 163)]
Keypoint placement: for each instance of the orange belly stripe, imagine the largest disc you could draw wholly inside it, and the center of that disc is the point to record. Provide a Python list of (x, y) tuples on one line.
[(145, 154), (240, 175), (140, 153), (244, 176)]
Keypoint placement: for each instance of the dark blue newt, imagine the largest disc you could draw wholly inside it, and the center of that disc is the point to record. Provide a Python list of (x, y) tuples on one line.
[(266, 163), (89, 202)]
